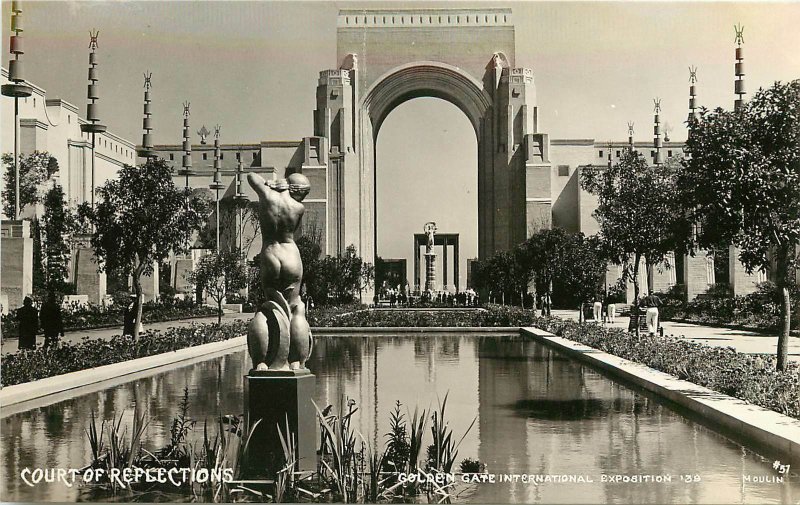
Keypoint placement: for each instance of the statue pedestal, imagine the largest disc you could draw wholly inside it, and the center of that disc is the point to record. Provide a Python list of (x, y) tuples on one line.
[(275, 396), (430, 271)]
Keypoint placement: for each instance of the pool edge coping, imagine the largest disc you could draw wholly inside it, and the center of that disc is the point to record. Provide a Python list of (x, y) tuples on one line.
[(57, 384), (778, 432)]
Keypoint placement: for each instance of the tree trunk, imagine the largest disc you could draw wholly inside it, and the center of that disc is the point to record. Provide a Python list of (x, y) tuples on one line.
[(581, 318), (636, 292), (137, 289), (219, 312), (783, 268)]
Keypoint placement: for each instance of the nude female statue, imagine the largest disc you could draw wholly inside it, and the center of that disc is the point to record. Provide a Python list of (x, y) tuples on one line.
[(278, 337)]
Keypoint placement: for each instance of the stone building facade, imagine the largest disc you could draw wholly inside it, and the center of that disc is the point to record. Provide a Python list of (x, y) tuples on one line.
[(53, 125), (526, 180)]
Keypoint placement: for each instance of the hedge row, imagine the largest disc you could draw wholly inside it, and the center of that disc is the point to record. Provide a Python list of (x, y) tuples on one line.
[(83, 317)]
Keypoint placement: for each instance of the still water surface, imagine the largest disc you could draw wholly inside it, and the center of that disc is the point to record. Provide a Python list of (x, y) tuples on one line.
[(537, 413)]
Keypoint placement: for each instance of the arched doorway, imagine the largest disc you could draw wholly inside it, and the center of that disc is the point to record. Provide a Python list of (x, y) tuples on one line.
[(415, 80), (416, 182)]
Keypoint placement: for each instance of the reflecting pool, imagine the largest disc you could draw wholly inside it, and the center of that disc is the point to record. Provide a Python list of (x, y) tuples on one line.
[(537, 413)]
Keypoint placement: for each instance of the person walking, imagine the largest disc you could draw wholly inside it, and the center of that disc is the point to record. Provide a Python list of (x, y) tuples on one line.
[(652, 302), (546, 304), (51, 320), (597, 307), (612, 312), (129, 316), (28, 319)]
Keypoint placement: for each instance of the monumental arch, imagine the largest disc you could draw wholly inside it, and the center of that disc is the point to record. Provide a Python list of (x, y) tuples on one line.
[(464, 56)]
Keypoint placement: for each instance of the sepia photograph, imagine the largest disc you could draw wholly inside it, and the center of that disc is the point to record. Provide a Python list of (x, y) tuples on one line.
[(400, 252)]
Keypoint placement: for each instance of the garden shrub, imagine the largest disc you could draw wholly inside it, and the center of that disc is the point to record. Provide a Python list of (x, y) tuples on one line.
[(760, 310), (77, 316)]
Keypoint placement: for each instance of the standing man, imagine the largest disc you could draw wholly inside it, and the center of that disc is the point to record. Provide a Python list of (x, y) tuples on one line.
[(612, 312), (652, 302), (28, 319), (597, 307), (52, 322), (129, 316)]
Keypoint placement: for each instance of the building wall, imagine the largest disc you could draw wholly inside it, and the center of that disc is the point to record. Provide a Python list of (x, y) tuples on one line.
[(461, 37), (53, 125)]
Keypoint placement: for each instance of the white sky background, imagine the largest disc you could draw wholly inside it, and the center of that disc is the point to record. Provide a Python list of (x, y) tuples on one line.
[(253, 67)]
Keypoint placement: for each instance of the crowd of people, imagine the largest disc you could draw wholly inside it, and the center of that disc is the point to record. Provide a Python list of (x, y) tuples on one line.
[(398, 297)]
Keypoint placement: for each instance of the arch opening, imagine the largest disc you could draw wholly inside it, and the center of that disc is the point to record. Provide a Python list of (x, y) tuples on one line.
[(398, 86), (417, 181)]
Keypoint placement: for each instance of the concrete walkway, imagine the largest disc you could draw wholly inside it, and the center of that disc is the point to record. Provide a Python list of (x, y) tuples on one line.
[(743, 341), (11, 344)]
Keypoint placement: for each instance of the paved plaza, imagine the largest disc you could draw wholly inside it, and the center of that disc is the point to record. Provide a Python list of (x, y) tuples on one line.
[(743, 341)]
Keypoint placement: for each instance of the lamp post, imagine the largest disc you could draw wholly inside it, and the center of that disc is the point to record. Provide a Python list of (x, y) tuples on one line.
[(186, 165), (92, 113), (241, 199), (217, 184), (16, 89)]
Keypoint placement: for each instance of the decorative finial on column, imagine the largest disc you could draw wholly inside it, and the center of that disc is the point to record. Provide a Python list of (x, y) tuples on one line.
[(630, 135), (203, 132), (146, 151), (692, 93), (217, 184), (657, 130), (738, 84), (92, 108)]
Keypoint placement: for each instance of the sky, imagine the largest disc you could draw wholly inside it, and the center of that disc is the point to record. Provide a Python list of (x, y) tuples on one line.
[(252, 67)]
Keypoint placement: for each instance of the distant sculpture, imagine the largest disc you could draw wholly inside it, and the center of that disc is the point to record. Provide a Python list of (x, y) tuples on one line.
[(430, 230), (203, 132), (278, 337)]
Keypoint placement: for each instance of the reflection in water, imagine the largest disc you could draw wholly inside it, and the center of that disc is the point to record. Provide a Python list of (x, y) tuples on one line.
[(538, 413)]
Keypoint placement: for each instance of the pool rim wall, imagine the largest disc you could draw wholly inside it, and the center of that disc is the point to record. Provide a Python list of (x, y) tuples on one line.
[(748, 424)]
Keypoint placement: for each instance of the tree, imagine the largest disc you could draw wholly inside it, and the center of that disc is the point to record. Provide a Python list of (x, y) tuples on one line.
[(58, 223), (309, 255), (140, 218), (338, 278), (34, 169), (220, 274), (740, 185), (638, 212), (232, 229), (544, 254), (504, 274), (582, 274)]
